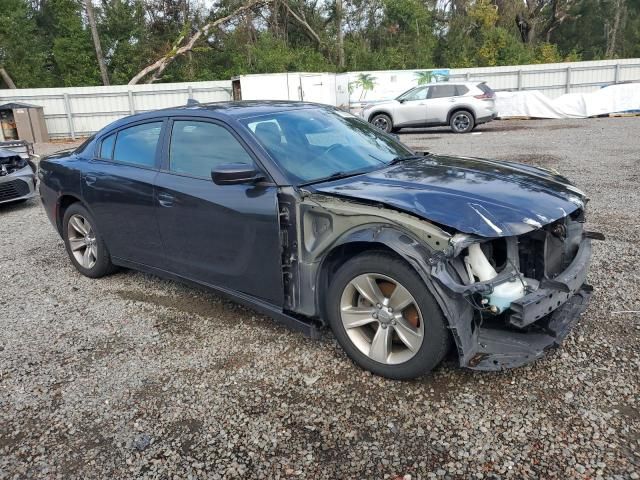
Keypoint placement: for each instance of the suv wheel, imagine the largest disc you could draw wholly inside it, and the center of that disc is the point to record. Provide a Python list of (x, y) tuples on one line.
[(384, 317), (83, 242), (461, 121), (383, 122)]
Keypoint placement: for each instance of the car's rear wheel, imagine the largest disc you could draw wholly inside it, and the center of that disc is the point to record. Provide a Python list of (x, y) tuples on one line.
[(461, 121), (383, 122), (385, 318), (83, 242)]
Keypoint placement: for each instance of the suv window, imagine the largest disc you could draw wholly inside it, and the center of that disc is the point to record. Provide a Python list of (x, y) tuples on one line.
[(461, 90), (197, 147), (417, 94), (137, 145), (441, 91)]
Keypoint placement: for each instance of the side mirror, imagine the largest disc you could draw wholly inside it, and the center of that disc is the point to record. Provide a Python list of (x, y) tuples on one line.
[(402, 100), (235, 173)]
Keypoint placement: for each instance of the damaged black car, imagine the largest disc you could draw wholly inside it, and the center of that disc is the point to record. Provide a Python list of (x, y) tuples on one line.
[(314, 217), (17, 172)]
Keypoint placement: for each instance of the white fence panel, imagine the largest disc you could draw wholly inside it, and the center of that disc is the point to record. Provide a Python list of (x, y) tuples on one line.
[(71, 112)]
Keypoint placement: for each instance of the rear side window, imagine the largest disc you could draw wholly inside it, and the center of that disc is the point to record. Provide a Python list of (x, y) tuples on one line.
[(106, 147), (461, 90), (137, 145), (441, 91), (197, 147)]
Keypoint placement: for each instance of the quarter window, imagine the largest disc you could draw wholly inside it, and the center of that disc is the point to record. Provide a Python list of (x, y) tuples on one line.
[(137, 145), (198, 147), (106, 147)]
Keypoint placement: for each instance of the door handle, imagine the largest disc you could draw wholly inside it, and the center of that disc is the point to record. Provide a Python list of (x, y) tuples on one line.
[(90, 179), (165, 199)]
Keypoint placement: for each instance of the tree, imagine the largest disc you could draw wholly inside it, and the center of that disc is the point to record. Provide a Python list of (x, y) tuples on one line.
[(96, 41)]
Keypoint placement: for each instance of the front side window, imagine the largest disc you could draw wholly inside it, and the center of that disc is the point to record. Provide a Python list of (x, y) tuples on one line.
[(198, 147), (419, 93), (137, 145), (310, 144)]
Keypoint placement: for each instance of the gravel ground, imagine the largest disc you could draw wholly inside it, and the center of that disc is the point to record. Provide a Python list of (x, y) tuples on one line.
[(134, 376)]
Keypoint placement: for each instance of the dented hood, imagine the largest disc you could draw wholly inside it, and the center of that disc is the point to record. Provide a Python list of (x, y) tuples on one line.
[(482, 197)]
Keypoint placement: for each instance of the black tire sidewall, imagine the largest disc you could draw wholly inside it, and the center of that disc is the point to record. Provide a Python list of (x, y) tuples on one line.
[(389, 121), (103, 265), (472, 122), (436, 339)]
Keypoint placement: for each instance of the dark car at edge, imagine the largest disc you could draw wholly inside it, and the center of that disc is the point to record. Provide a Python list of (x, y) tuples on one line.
[(316, 218)]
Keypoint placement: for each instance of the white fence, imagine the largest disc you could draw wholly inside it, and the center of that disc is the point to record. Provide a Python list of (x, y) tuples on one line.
[(72, 112), (553, 79), (78, 112)]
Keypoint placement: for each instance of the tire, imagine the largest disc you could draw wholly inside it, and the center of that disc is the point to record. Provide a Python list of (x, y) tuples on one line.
[(462, 121), (383, 122), (421, 322), (87, 251)]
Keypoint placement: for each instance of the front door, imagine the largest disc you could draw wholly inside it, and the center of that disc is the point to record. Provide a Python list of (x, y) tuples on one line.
[(226, 236), (412, 110), (118, 185)]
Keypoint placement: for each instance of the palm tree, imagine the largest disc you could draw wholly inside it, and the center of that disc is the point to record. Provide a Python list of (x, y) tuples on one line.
[(423, 77), (366, 82)]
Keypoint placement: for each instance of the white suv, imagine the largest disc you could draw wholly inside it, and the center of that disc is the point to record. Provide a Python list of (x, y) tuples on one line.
[(461, 105)]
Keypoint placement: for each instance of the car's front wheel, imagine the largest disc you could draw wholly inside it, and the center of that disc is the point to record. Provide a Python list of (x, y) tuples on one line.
[(383, 122), (461, 121), (385, 318), (83, 243)]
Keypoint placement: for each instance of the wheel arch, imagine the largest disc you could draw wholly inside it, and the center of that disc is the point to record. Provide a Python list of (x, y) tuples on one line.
[(370, 238), (378, 112), (461, 108)]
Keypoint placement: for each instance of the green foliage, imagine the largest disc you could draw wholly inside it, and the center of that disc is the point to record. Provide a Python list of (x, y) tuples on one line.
[(48, 42)]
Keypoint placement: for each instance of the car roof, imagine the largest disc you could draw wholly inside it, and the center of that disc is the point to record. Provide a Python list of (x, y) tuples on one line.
[(220, 110), (432, 84)]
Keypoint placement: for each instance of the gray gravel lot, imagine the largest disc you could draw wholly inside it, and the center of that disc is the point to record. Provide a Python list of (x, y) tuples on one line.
[(134, 376)]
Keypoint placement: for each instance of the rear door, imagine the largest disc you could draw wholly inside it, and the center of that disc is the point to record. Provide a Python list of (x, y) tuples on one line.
[(439, 102), (118, 186), (222, 235)]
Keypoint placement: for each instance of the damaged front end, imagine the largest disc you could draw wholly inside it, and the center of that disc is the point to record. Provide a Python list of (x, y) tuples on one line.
[(17, 173), (507, 299), (524, 292)]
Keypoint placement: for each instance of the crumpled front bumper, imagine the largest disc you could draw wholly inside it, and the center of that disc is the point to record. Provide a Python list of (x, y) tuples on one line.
[(18, 185), (534, 324)]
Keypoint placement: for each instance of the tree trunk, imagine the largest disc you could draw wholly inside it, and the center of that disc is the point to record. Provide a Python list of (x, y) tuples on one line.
[(96, 41), (612, 37), (7, 79), (340, 33)]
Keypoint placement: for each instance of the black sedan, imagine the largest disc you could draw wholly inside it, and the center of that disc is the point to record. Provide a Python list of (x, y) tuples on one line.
[(314, 217)]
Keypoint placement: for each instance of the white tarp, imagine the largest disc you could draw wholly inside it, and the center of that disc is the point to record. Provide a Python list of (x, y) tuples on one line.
[(611, 99)]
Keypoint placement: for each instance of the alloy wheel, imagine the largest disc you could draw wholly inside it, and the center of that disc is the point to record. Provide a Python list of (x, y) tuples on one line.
[(461, 122), (382, 123), (82, 241), (381, 318)]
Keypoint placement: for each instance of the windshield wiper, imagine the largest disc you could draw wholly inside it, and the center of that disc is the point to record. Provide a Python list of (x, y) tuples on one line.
[(336, 176), (405, 157)]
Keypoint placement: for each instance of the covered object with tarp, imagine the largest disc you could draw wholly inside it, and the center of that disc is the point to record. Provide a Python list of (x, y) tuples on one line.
[(612, 99)]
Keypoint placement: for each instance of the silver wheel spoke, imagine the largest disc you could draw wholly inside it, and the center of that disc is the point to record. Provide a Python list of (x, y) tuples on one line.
[(86, 258), (400, 298), (353, 317), (78, 225), (94, 252), (381, 345), (76, 243), (368, 288), (408, 335)]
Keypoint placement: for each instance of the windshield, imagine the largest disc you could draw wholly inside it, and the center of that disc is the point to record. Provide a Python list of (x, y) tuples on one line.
[(311, 144)]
